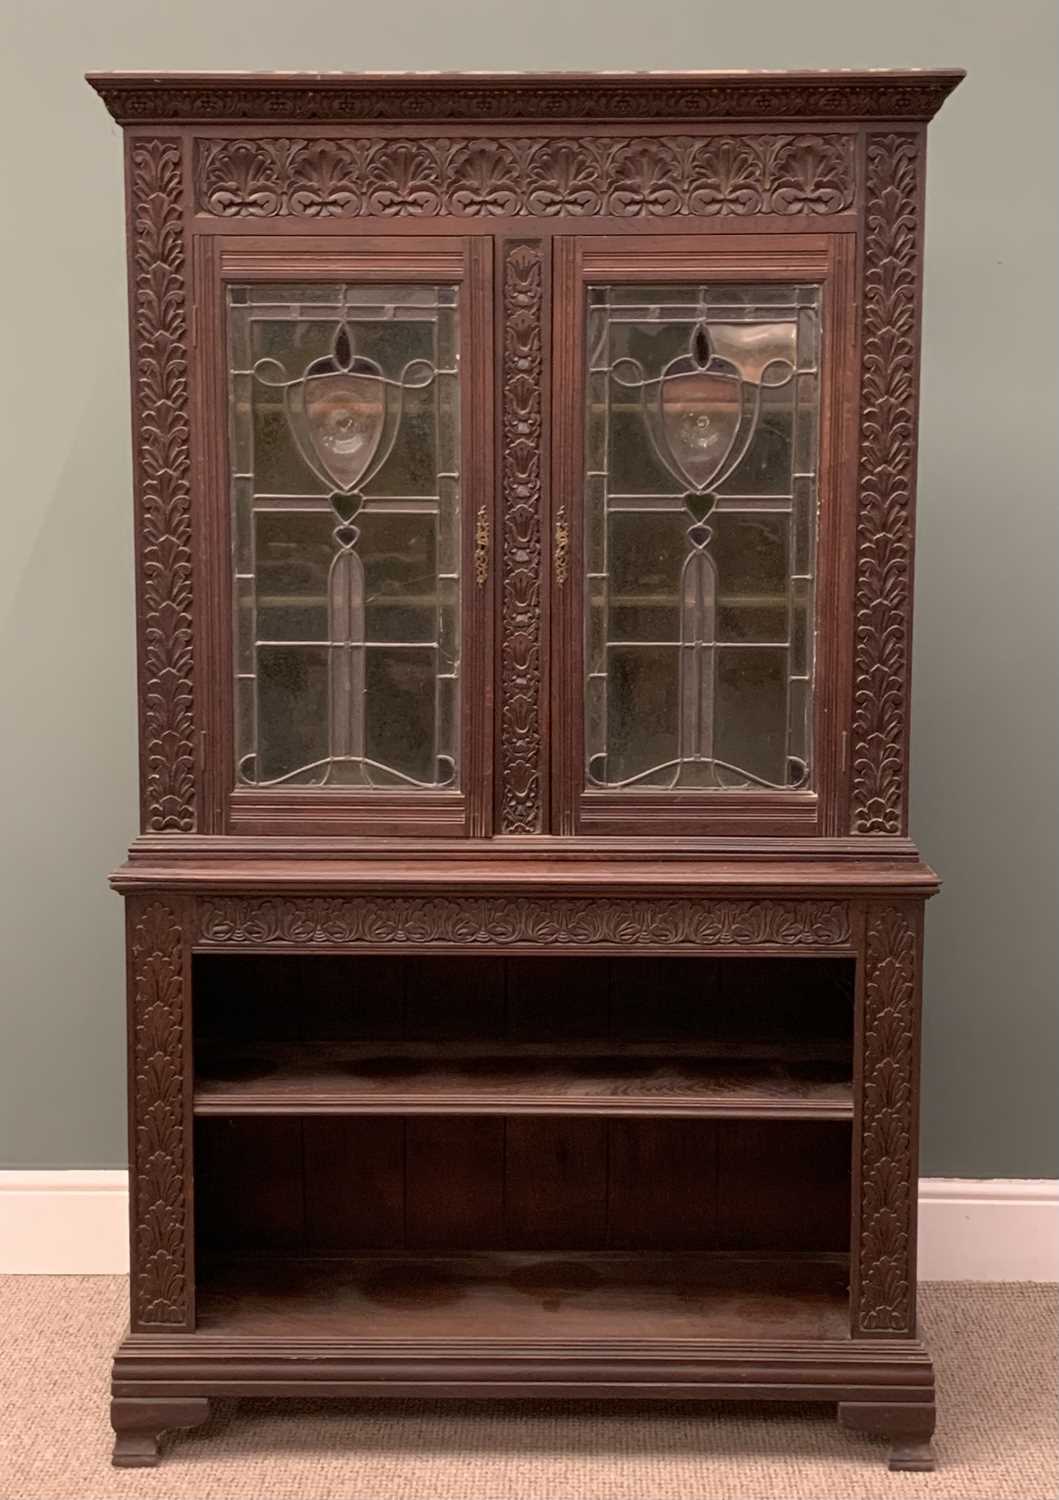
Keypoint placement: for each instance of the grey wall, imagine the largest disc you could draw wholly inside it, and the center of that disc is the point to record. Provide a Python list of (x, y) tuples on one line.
[(985, 669)]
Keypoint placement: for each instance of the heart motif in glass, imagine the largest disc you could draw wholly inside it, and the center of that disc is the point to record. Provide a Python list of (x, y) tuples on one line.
[(344, 415), (699, 506)]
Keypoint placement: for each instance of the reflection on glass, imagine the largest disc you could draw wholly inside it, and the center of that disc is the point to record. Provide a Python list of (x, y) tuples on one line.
[(344, 421), (700, 501)]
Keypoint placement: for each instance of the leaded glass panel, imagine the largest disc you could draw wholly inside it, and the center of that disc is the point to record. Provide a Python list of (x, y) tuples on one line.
[(700, 515), (345, 485)]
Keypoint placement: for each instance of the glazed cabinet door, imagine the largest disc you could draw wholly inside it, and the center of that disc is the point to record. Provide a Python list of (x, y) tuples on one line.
[(348, 473), (703, 415)]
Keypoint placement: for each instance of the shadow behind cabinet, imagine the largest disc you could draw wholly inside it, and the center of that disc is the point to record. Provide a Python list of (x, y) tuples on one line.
[(524, 938)]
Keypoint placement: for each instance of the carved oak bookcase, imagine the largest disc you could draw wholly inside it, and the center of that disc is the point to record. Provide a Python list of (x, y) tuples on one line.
[(524, 936)]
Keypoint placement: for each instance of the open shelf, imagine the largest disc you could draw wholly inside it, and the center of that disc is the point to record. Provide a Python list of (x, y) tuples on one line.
[(485, 1146), (496, 1035), (492, 1294), (382, 1083)]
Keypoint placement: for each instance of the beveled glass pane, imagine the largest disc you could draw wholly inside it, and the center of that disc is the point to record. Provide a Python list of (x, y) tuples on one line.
[(239, 355), (596, 523), (803, 518), (644, 580), (243, 525), (446, 425), (400, 733), (242, 424), (448, 624), (751, 709), (447, 727), (448, 526), (701, 432), (807, 420), (412, 467), (245, 618), (799, 704), (769, 462), (278, 466), (345, 452), (400, 576), (641, 713), (245, 709), (597, 639), (801, 625), (633, 466), (291, 338), (291, 713), (750, 553), (293, 551), (290, 294)]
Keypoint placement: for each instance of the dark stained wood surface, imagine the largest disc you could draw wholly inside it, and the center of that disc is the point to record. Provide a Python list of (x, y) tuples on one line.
[(492, 99), (509, 1234), (701, 1087), (355, 1183), (774, 1049), (684, 868), (528, 1296)]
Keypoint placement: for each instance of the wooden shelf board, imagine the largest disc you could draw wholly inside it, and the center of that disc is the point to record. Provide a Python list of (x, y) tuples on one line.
[(777, 1048), (607, 1296), (610, 1085)]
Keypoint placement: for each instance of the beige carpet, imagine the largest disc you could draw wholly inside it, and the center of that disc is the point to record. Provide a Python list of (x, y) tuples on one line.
[(995, 1348)]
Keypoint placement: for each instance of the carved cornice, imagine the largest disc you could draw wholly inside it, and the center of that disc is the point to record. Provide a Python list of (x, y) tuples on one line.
[(886, 1287), (521, 789), (160, 1285), (163, 473), (886, 487), (518, 921), (625, 177), (275, 98)]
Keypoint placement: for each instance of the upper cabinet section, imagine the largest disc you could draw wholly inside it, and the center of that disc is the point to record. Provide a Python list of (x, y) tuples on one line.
[(525, 456)]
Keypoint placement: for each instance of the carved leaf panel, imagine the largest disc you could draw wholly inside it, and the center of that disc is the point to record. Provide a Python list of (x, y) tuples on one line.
[(161, 1288), (163, 472), (580, 176), (523, 921), (886, 487), (886, 1281)]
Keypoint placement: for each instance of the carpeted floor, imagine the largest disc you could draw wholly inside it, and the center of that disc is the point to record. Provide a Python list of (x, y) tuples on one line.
[(995, 1348)]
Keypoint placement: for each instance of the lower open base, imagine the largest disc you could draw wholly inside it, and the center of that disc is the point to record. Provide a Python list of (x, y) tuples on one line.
[(163, 1381)]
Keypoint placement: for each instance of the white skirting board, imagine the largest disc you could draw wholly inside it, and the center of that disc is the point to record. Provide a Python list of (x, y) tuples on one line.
[(75, 1224)]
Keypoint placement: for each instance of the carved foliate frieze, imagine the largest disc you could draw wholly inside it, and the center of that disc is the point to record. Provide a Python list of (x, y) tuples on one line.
[(163, 475), (886, 1287), (160, 1292), (886, 487), (498, 921), (653, 177), (521, 788)]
